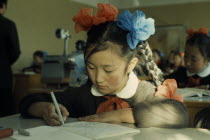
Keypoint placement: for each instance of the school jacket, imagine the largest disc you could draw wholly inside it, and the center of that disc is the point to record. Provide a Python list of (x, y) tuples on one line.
[(180, 75), (148, 110)]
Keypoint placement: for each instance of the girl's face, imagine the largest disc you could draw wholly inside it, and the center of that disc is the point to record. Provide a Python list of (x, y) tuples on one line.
[(37, 60), (194, 61), (107, 71), (177, 60), (156, 57)]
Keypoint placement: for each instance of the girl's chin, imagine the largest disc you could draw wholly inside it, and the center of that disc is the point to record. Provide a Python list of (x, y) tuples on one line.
[(103, 91)]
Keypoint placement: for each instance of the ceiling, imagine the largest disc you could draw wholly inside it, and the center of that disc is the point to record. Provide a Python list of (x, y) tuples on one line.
[(122, 4)]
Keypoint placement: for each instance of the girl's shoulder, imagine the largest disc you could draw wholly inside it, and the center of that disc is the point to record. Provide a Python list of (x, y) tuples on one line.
[(144, 90), (145, 84)]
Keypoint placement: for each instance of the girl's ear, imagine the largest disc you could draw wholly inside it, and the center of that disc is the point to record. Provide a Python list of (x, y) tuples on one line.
[(132, 65)]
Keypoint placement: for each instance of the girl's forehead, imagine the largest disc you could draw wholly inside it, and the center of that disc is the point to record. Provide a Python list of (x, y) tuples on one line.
[(193, 51), (105, 57)]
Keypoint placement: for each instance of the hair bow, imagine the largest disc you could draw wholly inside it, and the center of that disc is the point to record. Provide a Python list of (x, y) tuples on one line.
[(201, 30), (85, 19), (138, 26)]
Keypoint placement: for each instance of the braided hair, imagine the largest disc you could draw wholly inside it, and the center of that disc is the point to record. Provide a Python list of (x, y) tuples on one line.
[(151, 66)]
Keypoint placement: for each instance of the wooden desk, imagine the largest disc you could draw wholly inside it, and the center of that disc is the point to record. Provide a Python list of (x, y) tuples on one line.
[(24, 82), (16, 122), (194, 107)]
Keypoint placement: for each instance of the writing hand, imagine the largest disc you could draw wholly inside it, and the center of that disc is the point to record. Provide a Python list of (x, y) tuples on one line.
[(51, 117)]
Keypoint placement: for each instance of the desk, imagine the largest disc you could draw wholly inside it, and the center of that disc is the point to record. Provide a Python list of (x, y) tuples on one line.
[(194, 106), (24, 82), (30, 83), (16, 122)]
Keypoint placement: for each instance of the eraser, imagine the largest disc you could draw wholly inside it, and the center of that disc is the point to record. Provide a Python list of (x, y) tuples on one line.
[(23, 132), (6, 132)]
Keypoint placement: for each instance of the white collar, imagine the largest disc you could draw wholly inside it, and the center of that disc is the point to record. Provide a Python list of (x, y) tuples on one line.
[(203, 73), (127, 92)]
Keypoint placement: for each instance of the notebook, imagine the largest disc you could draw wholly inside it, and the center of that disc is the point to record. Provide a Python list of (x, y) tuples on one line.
[(189, 92), (76, 130)]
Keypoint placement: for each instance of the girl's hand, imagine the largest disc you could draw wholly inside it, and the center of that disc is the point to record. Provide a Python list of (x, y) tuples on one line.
[(116, 116), (102, 117), (47, 111)]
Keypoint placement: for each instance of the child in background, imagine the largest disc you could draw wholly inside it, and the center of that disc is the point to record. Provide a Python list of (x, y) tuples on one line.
[(158, 58), (37, 62), (114, 53), (196, 58), (77, 57), (176, 61)]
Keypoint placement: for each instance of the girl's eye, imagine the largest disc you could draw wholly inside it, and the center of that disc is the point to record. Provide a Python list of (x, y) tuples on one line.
[(90, 67), (108, 71)]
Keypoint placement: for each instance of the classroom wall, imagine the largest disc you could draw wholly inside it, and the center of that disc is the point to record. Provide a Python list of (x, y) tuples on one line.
[(37, 21), (191, 15)]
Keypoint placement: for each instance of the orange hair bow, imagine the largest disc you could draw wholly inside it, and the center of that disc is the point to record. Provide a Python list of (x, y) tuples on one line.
[(85, 19), (201, 30), (168, 90)]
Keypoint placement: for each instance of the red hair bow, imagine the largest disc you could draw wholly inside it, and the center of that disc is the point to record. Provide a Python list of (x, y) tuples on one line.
[(168, 89), (85, 19), (201, 30)]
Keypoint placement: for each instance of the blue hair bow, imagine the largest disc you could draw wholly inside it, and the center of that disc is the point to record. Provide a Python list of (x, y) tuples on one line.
[(138, 26)]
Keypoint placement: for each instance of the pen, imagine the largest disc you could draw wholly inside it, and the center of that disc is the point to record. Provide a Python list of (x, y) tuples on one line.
[(57, 107)]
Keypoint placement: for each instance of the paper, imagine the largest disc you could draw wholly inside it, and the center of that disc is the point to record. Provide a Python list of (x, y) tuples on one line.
[(188, 92), (48, 133), (76, 130)]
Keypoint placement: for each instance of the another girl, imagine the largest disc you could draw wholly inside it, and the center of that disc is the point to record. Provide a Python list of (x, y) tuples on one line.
[(115, 53), (197, 58), (158, 59), (176, 62)]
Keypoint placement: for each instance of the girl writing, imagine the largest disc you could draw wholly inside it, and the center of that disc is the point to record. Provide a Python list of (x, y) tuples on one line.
[(115, 54), (196, 72)]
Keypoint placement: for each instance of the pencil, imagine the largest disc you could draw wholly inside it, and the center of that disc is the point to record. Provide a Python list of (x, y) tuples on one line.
[(57, 107)]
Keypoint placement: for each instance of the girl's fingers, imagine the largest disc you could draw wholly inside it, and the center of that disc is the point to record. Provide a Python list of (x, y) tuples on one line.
[(64, 112), (51, 121), (51, 117)]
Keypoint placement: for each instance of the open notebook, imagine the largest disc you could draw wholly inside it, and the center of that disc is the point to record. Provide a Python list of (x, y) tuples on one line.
[(189, 92), (76, 130), (194, 94)]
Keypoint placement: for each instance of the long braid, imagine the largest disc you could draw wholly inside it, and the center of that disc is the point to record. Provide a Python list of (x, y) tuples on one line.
[(151, 66)]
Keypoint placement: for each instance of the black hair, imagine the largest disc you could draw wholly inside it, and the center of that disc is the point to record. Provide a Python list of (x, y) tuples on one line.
[(38, 53), (202, 42), (80, 45), (2, 2), (99, 35)]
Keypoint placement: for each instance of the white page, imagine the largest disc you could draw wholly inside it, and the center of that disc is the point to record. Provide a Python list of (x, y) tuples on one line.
[(48, 133), (96, 130), (76, 130)]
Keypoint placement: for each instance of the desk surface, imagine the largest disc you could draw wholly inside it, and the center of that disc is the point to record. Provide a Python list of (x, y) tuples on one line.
[(17, 122)]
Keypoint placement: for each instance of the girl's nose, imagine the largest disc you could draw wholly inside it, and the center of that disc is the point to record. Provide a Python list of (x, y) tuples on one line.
[(99, 77)]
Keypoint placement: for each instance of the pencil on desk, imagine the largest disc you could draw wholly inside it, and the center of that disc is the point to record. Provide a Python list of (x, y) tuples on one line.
[(57, 107)]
